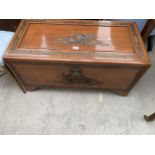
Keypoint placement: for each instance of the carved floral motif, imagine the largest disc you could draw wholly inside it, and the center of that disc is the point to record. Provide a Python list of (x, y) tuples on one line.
[(82, 39)]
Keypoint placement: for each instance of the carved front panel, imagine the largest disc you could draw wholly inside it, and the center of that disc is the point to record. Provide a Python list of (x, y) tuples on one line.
[(65, 75)]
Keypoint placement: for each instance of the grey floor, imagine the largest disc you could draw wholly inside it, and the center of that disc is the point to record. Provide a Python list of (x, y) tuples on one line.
[(55, 111)]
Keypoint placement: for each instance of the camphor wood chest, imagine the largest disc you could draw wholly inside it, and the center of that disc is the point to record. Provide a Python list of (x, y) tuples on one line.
[(77, 53)]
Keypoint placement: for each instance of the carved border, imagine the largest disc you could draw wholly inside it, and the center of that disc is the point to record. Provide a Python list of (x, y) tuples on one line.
[(90, 54), (18, 36), (138, 48), (79, 22)]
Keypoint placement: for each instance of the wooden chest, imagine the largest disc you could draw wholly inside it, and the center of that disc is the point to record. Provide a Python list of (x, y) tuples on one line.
[(77, 53)]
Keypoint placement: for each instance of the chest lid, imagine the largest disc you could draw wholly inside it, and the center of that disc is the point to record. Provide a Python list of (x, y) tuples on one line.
[(78, 41)]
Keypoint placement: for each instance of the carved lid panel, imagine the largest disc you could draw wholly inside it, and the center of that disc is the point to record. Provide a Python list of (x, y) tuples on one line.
[(72, 38), (78, 40)]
